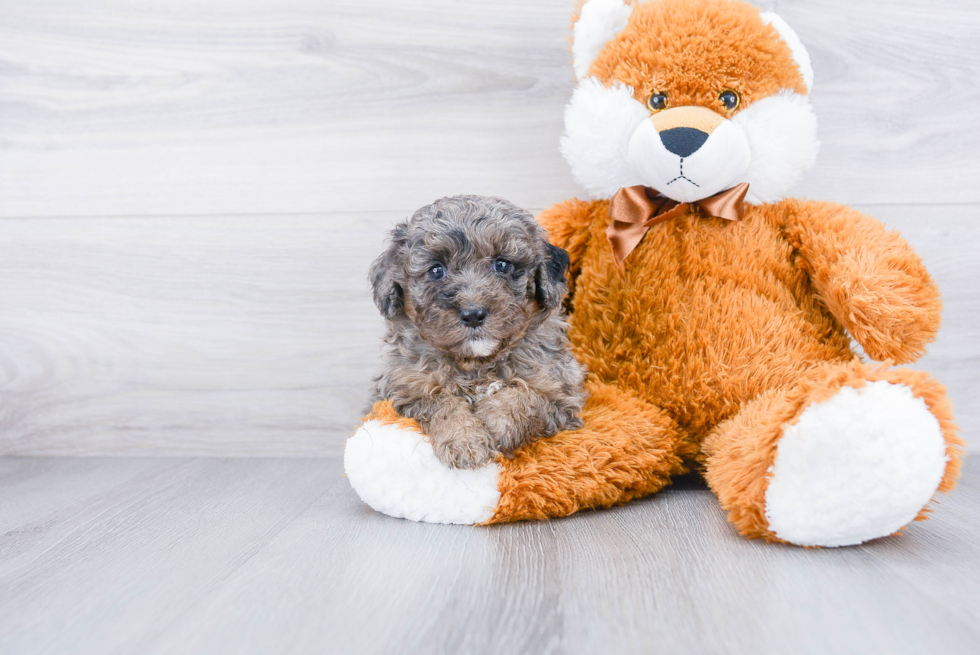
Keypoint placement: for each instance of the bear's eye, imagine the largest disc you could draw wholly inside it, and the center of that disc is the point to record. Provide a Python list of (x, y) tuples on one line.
[(503, 266), (437, 272), (730, 99), (658, 101)]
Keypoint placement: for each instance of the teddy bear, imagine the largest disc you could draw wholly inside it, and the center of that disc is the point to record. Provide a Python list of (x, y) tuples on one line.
[(714, 315)]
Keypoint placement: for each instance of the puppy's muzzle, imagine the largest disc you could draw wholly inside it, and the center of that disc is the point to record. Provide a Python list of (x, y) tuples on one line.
[(473, 316)]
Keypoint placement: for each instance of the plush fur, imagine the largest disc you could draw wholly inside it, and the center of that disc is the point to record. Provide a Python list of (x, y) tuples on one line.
[(790, 38), (405, 467), (604, 19), (728, 321), (769, 140), (878, 443), (715, 342), (740, 454), (476, 348)]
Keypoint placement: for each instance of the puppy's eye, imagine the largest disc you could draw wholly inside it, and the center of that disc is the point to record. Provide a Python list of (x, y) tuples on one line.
[(658, 101), (503, 266), (437, 272), (730, 99)]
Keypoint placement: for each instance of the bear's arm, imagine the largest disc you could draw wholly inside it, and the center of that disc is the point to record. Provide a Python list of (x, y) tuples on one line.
[(869, 278), (568, 224)]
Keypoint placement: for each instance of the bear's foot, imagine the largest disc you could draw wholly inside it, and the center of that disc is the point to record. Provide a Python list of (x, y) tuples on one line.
[(851, 456), (393, 468), (626, 449), (857, 466)]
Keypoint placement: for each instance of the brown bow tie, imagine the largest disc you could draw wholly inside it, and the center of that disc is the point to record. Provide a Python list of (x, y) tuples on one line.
[(634, 209)]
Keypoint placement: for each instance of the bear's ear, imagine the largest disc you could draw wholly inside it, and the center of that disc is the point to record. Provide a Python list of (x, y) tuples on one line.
[(800, 55), (598, 23)]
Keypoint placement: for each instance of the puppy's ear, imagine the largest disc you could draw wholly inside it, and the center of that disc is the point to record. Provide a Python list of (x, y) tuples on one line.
[(388, 294), (551, 285)]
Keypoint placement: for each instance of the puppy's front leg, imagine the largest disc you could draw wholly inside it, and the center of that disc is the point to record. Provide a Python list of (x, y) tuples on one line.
[(459, 438), (515, 416)]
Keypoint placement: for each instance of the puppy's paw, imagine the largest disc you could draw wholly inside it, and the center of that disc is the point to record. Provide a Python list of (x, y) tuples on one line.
[(465, 451)]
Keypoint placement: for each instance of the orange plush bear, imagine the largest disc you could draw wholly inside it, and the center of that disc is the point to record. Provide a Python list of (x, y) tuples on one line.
[(711, 312)]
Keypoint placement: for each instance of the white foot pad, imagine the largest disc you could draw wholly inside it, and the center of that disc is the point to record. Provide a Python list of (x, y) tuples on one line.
[(396, 472), (857, 466)]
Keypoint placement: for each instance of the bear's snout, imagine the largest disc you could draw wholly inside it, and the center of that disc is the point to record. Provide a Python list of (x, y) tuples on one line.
[(683, 141), (688, 153)]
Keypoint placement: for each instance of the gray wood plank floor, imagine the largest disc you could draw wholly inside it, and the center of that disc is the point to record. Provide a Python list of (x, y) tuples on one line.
[(159, 555)]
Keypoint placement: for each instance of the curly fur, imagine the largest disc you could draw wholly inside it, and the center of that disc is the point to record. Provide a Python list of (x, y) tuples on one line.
[(487, 389)]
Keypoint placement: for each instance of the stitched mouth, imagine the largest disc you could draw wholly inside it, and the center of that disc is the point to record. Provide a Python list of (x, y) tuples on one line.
[(683, 177)]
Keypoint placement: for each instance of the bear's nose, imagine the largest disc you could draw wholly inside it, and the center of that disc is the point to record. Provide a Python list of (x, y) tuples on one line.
[(683, 141), (473, 316)]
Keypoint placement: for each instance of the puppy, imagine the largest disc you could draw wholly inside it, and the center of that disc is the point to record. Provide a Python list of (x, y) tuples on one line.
[(476, 350)]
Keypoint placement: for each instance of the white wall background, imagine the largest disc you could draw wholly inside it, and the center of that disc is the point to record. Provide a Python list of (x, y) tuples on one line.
[(191, 192)]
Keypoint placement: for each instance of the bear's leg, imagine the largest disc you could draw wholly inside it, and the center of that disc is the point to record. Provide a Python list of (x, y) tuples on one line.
[(626, 449), (848, 454)]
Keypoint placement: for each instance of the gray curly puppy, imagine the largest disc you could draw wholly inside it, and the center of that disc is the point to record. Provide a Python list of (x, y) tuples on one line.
[(476, 350)]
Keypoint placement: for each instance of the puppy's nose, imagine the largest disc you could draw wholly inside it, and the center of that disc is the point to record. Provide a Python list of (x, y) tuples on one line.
[(473, 316), (683, 141)]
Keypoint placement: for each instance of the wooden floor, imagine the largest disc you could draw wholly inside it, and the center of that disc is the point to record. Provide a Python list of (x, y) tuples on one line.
[(208, 555)]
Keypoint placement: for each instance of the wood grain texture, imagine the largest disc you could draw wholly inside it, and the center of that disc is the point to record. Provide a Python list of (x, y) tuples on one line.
[(109, 107), (279, 556), (191, 193), (239, 335), (130, 559), (256, 335)]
